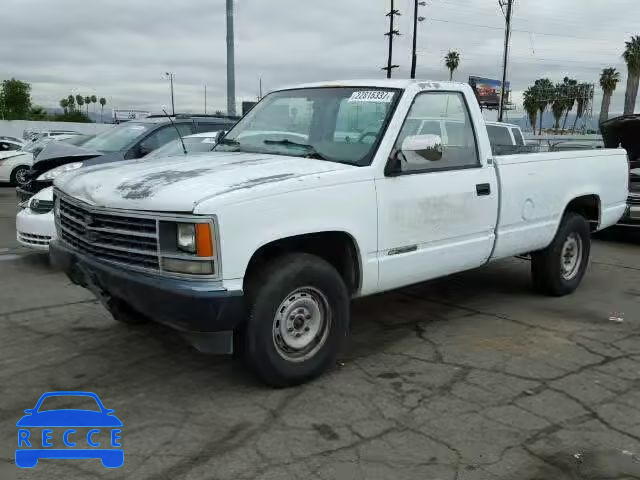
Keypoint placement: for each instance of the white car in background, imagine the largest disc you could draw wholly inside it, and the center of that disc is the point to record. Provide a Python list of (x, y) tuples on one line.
[(16, 159), (35, 225)]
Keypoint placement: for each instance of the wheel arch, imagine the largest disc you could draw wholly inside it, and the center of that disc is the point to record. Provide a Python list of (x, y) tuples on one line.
[(339, 248), (589, 206)]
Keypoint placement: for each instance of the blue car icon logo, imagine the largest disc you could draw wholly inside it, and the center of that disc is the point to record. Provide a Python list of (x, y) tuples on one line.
[(69, 433)]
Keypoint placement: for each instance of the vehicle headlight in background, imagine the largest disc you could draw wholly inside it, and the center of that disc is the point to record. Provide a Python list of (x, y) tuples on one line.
[(188, 247), (53, 173)]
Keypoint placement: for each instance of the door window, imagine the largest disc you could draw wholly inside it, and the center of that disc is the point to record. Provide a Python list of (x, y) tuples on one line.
[(163, 136), (7, 146), (431, 113), (517, 134)]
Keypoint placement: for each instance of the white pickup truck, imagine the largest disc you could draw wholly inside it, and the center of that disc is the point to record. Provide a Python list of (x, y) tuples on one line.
[(321, 193)]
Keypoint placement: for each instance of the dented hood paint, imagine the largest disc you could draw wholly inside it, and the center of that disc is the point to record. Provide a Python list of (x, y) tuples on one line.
[(178, 184)]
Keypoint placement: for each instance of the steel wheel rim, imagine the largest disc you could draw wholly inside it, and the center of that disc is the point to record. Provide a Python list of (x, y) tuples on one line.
[(301, 324), (571, 256), (21, 176)]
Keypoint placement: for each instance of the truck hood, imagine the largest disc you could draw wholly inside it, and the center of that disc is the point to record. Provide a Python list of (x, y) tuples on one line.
[(178, 184)]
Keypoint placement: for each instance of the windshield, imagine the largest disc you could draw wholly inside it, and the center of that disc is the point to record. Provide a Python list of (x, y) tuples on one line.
[(337, 124), (192, 144), (118, 138)]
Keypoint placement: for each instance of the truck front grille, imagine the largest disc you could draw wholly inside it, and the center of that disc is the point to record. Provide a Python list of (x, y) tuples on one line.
[(117, 238)]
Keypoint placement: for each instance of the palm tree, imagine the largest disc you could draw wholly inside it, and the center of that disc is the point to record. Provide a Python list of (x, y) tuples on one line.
[(631, 55), (87, 101), (609, 79), (71, 101), (558, 105), (64, 103), (531, 107), (583, 100), (544, 90), (103, 102), (569, 92), (79, 102), (94, 100), (452, 61)]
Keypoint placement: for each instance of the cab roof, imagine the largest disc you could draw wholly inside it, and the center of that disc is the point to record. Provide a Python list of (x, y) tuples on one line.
[(379, 83)]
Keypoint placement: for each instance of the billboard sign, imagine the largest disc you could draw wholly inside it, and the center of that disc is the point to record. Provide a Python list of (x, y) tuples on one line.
[(487, 91), (127, 115)]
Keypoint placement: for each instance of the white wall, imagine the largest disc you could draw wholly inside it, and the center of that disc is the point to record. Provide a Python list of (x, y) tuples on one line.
[(15, 128)]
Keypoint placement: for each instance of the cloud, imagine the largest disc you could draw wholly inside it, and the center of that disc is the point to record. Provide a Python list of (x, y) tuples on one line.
[(120, 49)]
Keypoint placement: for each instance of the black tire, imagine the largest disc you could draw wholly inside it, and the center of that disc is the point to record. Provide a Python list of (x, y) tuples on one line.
[(123, 313), (548, 265), (16, 175), (289, 279)]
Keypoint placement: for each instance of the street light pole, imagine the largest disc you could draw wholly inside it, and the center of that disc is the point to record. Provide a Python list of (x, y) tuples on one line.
[(231, 80), (416, 19), (171, 76), (205, 98), (505, 60)]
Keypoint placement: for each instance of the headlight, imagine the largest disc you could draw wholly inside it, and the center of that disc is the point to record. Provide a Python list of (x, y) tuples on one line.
[(52, 174), (188, 247), (186, 237)]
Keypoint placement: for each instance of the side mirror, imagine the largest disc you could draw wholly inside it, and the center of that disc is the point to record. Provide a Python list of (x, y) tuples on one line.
[(427, 146), (220, 135)]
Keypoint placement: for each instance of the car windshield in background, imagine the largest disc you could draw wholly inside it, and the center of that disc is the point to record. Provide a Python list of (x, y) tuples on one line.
[(338, 124), (118, 138), (65, 402), (192, 144)]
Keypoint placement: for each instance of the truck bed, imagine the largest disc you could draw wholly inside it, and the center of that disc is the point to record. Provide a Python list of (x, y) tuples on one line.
[(535, 187)]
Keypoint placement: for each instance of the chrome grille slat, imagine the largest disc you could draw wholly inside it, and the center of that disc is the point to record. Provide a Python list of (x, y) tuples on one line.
[(117, 238)]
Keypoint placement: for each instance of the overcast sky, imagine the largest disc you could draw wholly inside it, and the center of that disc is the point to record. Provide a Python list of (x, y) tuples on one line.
[(119, 49)]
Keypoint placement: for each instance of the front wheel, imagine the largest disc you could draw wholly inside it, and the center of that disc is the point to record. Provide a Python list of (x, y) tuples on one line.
[(558, 269), (20, 176), (299, 313)]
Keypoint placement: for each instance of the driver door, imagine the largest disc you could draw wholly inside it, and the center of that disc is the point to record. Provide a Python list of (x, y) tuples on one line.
[(436, 217)]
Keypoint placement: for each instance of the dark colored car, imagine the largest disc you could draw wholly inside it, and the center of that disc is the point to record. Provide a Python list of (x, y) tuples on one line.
[(126, 141), (624, 132)]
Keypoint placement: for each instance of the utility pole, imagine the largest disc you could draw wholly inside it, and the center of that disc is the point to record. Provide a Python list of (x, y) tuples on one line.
[(390, 34), (505, 60), (416, 19), (171, 76), (231, 80), (205, 98), (260, 89)]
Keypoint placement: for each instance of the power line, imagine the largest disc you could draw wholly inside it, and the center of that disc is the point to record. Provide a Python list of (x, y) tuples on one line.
[(493, 27)]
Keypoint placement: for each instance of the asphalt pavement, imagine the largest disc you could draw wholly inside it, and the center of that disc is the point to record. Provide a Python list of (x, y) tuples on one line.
[(470, 377)]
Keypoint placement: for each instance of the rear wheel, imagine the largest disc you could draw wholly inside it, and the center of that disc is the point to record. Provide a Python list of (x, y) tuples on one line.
[(299, 312), (19, 176), (558, 269)]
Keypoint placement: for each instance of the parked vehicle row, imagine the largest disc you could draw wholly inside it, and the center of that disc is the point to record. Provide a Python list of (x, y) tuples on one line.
[(259, 245), (35, 226), (126, 141)]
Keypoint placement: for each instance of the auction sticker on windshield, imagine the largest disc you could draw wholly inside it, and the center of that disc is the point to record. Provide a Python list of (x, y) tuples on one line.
[(371, 96)]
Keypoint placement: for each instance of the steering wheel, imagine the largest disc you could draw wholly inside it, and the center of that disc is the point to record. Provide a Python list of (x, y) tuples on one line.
[(365, 135)]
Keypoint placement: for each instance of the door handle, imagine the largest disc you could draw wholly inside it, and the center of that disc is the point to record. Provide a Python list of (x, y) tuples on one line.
[(483, 189)]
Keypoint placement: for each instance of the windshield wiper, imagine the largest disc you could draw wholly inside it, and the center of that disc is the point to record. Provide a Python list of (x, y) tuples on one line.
[(311, 150)]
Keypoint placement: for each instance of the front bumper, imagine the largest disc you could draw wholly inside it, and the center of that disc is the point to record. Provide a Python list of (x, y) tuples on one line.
[(35, 230), (204, 311)]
